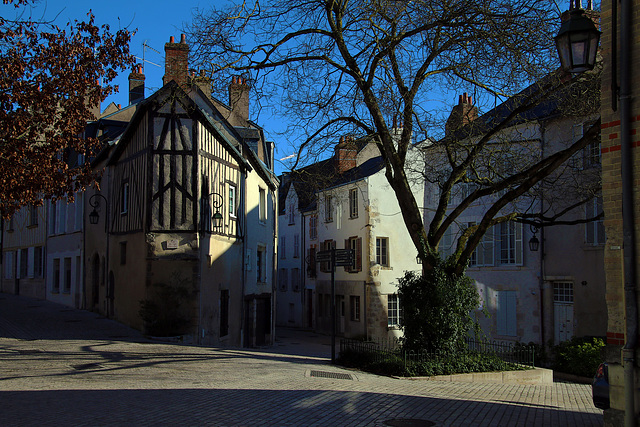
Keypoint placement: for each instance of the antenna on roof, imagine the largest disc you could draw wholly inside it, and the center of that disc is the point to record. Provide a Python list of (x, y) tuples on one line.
[(145, 46)]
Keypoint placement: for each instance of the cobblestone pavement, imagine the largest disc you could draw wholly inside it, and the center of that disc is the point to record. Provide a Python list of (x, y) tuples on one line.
[(60, 366)]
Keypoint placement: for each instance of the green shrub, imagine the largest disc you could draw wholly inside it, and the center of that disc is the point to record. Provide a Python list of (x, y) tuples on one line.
[(437, 309), (445, 364), (579, 356)]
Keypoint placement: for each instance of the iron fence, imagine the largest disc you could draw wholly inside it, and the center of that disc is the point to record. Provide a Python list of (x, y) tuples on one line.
[(378, 351)]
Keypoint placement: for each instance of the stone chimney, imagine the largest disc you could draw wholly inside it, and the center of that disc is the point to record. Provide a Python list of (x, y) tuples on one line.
[(345, 154), (202, 81), (136, 86), (239, 98), (176, 61), (462, 114)]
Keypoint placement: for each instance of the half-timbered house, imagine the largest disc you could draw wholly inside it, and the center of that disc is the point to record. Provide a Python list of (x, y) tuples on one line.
[(190, 215)]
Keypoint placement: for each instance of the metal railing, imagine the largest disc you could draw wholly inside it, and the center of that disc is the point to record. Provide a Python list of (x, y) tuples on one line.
[(378, 351)]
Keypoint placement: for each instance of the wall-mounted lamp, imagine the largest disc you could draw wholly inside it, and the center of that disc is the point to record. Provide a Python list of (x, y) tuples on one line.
[(216, 202), (577, 42), (94, 216), (534, 243)]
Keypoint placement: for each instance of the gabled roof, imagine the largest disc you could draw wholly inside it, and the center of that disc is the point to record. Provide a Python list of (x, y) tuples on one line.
[(173, 89), (549, 107), (321, 176)]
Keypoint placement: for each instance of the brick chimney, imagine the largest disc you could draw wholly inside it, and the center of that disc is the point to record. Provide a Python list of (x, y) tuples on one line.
[(345, 154), (239, 99), (594, 15), (462, 114), (136, 86), (176, 61)]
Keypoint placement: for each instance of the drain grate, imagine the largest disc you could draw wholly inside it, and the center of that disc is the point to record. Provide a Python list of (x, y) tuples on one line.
[(333, 375)]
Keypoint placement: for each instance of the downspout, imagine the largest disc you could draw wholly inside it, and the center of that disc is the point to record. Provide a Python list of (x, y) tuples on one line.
[(628, 221), (243, 221), (542, 270), (303, 270), (274, 260)]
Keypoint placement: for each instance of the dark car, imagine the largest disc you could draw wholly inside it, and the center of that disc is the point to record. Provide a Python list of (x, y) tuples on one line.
[(600, 387)]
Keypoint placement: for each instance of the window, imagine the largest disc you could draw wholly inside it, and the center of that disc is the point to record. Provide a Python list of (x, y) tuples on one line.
[(353, 203), (355, 244), (295, 279), (394, 311), (446, 243), (283, 247), (67, 275), (313, 227), (594, 230), (563, 292), (483, 254), (283, 279), (354, 304), (263, 205), (261, 267), (511, 243), (8, 265), (592, 153), (296, 245), (61, 224), (328, 209), (52, 218), (506, 313), (123, 253), (124, 201), (232, 201), (224, 312), (33, 215), (37, 261), (292, 214), (56, 276), (24, 262), (311, 266), (382, 251)]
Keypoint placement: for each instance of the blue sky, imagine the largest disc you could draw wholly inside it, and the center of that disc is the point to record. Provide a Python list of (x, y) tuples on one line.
[(155, 22)]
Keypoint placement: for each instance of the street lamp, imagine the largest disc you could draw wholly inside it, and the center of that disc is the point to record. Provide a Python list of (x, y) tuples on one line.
[(534, 243), (216, 202), (94, 216), (577, 42)]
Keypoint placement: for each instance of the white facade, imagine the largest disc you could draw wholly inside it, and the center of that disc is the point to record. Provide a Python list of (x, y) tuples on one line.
[(556, 292), (359, 212)]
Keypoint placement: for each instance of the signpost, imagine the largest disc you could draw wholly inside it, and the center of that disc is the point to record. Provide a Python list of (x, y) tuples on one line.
[(335, 257)]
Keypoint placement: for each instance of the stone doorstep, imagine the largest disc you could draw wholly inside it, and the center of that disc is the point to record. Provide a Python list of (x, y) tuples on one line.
[(536, 376)]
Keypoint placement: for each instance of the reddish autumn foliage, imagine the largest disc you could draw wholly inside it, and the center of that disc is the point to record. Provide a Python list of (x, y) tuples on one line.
[(51, 81)]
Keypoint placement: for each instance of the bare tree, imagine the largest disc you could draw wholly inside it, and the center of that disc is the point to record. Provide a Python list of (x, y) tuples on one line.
[(339, 67)]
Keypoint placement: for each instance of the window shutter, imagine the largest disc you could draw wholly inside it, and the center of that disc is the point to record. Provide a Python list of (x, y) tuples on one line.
[(347, 246), (359, 254)]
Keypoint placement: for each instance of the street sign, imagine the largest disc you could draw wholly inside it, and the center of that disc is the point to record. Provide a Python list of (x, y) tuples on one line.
[(344, 257), (323, 256)]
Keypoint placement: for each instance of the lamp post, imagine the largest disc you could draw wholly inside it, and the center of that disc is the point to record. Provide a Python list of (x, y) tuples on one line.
[(577, 42)]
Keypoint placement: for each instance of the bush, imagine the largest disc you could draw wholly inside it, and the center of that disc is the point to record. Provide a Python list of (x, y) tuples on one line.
[(393, 363), (438, 309), (579, 356)]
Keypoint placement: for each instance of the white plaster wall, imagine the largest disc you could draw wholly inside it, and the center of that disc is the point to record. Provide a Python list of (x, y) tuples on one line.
[(289, 302)]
